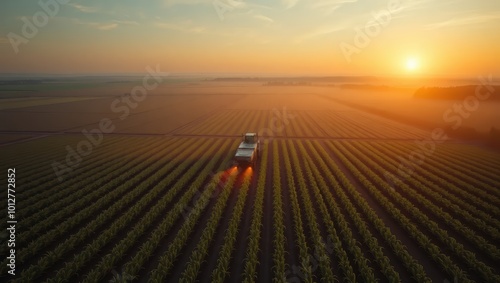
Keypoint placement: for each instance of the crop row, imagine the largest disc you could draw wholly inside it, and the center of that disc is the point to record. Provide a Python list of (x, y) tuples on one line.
[(251, 259), (318, 185), (475, 156), (318, 241), (446, 197), (229, 122), (484, 174), (124, 221), (303, 124), (416, 214), (34, 247), (51, 212), (82, 189), (329, 168), (198, 255), (279, 226), (42, 181), (141, 183), (182, 207), (389, 129), (35, 151), (112, 190), (33, 175), (304, 255), (465, 180), (438, 212), (222, 269)]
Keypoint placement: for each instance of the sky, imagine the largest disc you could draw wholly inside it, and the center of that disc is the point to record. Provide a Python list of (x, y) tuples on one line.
[(459, 38)]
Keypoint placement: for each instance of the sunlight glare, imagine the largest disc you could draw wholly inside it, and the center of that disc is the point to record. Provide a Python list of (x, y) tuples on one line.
[(411, 64)]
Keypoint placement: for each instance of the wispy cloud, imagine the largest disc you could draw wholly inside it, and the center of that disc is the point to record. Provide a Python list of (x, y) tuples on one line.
[(84, 9), (101, 25), (243, 8), (408, 6), (126, 22), (467, 20), (239, 35), (329, 6), (107, 26), (289, 3), (97, 25), (187, 2), (184, 26), (258, 16), (263, 18), (320, 31)]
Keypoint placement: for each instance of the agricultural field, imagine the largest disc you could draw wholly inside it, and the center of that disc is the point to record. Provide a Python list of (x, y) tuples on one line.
[(337, 194)]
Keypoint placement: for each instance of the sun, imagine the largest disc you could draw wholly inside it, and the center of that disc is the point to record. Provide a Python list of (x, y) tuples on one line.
[(412, 64)]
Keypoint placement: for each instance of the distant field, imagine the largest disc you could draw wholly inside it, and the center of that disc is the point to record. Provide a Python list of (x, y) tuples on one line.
[(334, 195), (13, 138), (12, 103), (55, 85)]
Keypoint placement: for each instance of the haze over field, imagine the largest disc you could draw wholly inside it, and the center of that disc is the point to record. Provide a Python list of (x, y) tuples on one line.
[(398, 46)]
